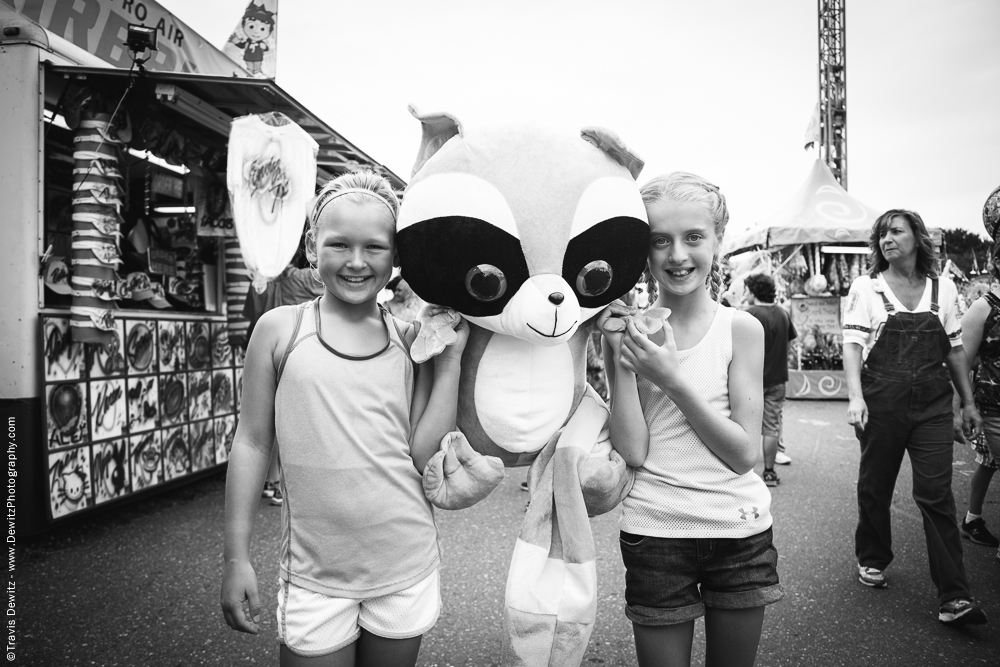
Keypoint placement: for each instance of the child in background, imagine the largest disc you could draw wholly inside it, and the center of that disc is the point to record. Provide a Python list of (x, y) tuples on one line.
[(331, 381), (686, 405)]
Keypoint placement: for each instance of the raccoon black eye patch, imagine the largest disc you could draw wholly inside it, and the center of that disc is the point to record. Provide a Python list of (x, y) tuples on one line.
[(437, 255), (620, 242)]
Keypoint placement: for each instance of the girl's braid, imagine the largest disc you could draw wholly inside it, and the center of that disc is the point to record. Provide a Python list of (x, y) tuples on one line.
[(714, 279), (651, 289)]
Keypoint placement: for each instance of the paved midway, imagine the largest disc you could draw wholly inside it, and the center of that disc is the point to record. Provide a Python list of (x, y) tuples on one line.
[(140, 585)]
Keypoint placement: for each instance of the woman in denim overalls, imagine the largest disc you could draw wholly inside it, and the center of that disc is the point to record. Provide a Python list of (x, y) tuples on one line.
[(900, 401)]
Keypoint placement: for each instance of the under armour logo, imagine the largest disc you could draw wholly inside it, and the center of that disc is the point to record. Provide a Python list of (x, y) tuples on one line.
[(743, 513)]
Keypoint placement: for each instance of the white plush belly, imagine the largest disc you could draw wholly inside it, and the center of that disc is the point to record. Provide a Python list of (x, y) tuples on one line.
[(524, 392)]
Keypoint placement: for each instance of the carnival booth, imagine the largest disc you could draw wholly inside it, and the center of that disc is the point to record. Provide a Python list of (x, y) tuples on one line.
[(813, 248), (124, 264)]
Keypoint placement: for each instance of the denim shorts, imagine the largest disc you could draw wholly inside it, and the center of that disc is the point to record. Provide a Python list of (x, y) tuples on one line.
[(672, 580), (774, 400)]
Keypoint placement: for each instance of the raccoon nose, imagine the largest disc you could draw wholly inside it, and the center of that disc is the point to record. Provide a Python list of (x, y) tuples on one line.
[(556, 298)]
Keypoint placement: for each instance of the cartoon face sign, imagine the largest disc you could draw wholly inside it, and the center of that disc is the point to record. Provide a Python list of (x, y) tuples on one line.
[(107, 408), (256, 29), (66, 414), (199, 395), (172, 345), (145, 460), (202, 445), (110, 470), (69, 481), (176, 454), (140, 346), (63, 359), (143, 404)]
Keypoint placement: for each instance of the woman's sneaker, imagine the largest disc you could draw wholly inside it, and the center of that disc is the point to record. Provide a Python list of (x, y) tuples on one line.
[(277, 498), (961, 612), (977, 532), (771, 478), (269, 488), (872, 576)]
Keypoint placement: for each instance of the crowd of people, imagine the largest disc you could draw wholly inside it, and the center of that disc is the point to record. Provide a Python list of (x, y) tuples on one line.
[(693, 407)]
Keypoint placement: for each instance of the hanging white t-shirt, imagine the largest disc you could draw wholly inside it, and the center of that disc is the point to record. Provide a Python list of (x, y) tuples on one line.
[(865, 314), (272, 178)]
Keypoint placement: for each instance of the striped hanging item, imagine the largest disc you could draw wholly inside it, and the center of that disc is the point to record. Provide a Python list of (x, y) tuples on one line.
[(237, 284), (96, 252)]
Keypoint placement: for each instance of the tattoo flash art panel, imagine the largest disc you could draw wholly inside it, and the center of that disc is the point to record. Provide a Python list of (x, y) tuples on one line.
[(225, 429), (176, 453), (69, 481), (172, 346), (66, 414), (107, 408), (63, 359), (145, 460), (140, 346), (202, 445), (109, 470), (143, 404)]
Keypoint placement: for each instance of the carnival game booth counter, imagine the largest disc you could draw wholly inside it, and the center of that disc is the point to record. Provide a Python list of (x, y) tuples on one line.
[(139, 388), (814, 248)]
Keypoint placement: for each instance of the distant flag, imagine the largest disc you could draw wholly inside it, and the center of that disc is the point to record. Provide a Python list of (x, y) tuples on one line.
[(812, 132), (254, 42)]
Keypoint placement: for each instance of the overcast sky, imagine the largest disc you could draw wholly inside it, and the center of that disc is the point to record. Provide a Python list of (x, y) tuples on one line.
[(723, 88)]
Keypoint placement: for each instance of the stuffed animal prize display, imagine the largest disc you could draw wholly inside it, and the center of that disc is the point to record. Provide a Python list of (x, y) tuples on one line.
[(528, 233)]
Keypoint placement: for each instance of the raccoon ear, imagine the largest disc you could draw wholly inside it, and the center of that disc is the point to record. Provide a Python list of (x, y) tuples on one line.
[(438, 127), (610, 143)]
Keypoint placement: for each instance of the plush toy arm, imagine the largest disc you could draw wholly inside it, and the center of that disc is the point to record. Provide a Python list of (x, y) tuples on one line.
[(458, 477), (605, 479), (435, 331)]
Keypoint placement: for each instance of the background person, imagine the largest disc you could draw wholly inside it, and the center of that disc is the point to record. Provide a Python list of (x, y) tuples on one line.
[(778, 330), (902, 342)]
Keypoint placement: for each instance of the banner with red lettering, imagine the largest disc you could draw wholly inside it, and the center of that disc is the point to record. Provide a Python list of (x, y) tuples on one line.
[(254, 41), (100, 27)]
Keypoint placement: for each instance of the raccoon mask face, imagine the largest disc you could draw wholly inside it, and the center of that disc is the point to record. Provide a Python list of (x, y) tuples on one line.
[(526, 232)]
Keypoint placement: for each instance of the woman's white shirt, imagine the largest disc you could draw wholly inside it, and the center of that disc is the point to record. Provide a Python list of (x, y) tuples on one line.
[(865, 313)]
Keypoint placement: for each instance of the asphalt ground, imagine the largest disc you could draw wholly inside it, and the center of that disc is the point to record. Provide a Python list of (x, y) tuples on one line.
[(140, 585)]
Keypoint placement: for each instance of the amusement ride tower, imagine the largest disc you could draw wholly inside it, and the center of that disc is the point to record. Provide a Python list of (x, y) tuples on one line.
[(833, 87)]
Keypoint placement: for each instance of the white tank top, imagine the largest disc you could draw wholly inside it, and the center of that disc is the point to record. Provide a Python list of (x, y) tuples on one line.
[(684, 490)]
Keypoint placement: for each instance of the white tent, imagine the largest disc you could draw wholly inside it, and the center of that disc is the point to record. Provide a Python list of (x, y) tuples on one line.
[(820, 212)]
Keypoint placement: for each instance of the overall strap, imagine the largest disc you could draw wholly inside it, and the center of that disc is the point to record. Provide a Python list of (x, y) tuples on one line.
[(299, 311), (889, 308), (992, 299), (934, 296)]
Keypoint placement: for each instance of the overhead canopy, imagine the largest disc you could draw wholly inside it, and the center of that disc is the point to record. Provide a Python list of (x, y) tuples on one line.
[(820, 212), (213, 101)]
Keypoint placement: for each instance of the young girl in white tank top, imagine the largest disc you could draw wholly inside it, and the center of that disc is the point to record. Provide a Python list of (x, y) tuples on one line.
[(686, 408), (355, 423)]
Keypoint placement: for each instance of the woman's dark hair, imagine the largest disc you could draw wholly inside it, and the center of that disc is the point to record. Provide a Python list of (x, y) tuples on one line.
[(391, 285), (761, 286), (927, 256)]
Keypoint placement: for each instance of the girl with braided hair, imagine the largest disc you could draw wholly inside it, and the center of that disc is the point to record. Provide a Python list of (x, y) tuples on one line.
[(686, 409)]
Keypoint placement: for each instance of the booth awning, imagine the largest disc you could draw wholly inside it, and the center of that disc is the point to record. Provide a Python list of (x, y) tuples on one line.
[(213, 101), (821, 211)]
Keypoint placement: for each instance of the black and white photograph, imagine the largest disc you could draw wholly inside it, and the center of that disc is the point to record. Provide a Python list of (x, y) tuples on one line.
[(515, 334)]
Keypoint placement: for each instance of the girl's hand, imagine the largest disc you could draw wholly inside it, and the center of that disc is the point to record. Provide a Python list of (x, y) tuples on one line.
[(643, 357), (453, 352), (972, 423), (240, 600), (857, 415), (614, 335)]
